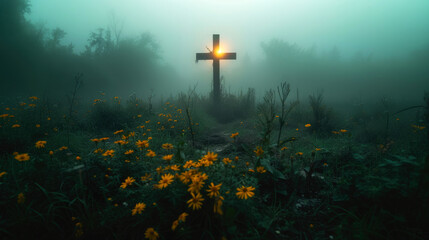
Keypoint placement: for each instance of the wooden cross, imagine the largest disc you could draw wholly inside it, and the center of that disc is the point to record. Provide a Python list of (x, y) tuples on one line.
[(216, 55)]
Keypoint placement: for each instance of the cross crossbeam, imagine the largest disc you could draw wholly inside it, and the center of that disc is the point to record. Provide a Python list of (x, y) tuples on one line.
[(216, 55)]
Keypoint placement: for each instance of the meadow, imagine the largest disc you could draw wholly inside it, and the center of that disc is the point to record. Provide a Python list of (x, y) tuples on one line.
[(182, 168)]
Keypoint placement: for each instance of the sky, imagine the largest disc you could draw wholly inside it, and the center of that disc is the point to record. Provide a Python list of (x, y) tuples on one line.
[(382, 28)]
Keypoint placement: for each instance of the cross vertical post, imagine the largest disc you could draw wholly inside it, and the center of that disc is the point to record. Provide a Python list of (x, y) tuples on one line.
[(216, 70), (216, 55)]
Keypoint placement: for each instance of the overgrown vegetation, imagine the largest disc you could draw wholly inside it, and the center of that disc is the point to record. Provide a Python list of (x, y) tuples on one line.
[(118, 171)]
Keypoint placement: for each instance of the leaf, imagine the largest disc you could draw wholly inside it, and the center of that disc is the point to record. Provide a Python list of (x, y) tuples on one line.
[(276, 173)]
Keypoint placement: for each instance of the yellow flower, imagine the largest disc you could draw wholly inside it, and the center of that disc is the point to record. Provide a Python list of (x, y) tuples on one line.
[(146, 177), (234, 135), (51, 153), (196, 184), (260, 169), (213, 190), (245, 192), (175, 167), (63, 148), (22, 157), (174, 225), (138, 208), (122, 142), (78, 158), (210, 156), (226, 161), (167, 146), (119, 131), (307, 125), (166, 180), (168, 157), (182, 217), (188, 164), (40, 144), (109, 153), (2, 174), (142, 144), (151, 234), (185, 177), (258, 151), (299, 153), (343, 130), (37, 125), (283, 148), (129, 152), (127, 182), (21, 198), (217, 207), (196, 201), (16, 126), (98, 150), (150, 153)]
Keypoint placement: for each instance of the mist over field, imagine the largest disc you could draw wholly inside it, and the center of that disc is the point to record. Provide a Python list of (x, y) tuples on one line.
[(347, 49), (214, 119)]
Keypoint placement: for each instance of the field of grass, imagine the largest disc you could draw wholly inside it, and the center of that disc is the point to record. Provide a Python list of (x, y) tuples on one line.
[(113, 168)]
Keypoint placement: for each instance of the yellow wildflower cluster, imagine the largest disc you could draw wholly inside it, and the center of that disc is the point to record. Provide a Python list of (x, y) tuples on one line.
[(181, 218), (151, 234), (128, 182), (166, 180), (109, 153), (40, 144), (22, 157), (258, 151), (138, 209), (167, 146), (245, 192)]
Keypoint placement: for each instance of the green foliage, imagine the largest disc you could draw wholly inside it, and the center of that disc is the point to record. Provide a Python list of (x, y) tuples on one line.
[(34, 58), (321, 115), (232, 107), (314, 187)]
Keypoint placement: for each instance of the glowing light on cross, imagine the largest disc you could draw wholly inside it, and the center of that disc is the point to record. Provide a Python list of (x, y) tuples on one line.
[(216, 55)]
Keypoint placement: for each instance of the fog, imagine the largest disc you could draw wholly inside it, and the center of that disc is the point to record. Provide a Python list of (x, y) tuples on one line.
[(347, 49)]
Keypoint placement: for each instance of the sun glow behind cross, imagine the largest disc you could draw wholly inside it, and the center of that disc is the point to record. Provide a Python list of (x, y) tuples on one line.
[(219, 51)]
